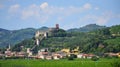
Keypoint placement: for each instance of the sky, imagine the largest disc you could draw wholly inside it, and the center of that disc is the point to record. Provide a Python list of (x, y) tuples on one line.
[(19, 14)]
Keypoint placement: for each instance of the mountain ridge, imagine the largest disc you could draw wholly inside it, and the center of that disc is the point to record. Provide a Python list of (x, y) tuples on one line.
[(15, 36), (87, 28)]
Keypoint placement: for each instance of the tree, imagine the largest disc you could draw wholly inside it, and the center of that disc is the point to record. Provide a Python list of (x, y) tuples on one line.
[(71, 57)]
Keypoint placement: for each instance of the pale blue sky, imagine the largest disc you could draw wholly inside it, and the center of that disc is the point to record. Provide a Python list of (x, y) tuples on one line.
[(18, 14)]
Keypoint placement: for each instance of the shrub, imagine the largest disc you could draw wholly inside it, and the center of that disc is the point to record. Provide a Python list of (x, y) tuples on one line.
[(14, 57), (71, 57), (94, 58)]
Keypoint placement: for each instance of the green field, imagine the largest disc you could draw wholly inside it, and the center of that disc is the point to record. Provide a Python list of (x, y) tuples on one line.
[(56, 63)]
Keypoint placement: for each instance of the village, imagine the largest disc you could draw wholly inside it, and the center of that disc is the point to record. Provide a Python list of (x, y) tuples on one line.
[(44, 53)]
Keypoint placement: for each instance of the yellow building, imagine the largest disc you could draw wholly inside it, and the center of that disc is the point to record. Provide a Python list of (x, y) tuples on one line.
[(118, 54), (74, 51), (66, 50)]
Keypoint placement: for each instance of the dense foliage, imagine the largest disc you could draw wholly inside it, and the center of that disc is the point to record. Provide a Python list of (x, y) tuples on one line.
[(98, 42), (12, 37)]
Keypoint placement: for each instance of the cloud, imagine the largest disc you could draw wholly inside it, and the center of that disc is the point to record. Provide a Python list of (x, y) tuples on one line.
[(102, 19), (96, 8), (26, 14), (44, 5), (33, 6), (14, 8), (31, 11), (105, 18), (44, 11), (1, 6), (87, 6)]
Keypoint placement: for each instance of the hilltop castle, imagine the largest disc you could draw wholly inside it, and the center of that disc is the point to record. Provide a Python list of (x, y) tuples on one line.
[(39, 35)]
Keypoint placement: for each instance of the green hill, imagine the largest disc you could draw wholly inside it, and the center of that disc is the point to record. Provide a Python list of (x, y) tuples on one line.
[(98, 41), (15, 36), (87, 28)]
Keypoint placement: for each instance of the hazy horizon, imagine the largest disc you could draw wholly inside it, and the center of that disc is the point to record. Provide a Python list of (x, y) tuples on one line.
[(54, 26)]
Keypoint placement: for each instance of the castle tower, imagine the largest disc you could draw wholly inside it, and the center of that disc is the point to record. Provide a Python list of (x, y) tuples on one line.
[(57, 26)]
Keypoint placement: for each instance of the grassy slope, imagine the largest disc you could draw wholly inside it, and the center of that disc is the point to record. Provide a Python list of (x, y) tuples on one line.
[(55, 63)]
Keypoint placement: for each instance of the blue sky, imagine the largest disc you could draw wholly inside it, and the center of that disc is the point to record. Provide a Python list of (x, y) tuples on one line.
[(18, 14)]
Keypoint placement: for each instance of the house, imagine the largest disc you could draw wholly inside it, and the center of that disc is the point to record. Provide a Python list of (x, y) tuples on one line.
[(69, 52), (61, 54), (85, 56), (80, 56), (20, 54), (29, 52), (43, 50), (8, 53), (90, 56), (56, 57), (75, 51), (118, 54), (48, 57), (66, 50), (112, 54), (43, 54), (41, 57)]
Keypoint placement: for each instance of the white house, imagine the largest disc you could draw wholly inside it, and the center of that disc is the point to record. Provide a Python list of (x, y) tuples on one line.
[(8, 53), (56, 57), (48, 57), (41, 57), (29, 52), (80, 56)]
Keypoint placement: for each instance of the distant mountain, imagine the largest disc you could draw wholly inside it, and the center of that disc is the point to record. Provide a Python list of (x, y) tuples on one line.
[(86, 28), (15, 36), (43, 28)]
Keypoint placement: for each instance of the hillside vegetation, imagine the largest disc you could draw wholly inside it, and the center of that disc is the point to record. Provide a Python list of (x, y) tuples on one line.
[(13, 37), (98, 41)]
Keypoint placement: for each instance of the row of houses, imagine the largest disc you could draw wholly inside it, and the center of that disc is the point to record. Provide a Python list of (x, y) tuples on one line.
[(113, 54), (51, 55), (46, 54)]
